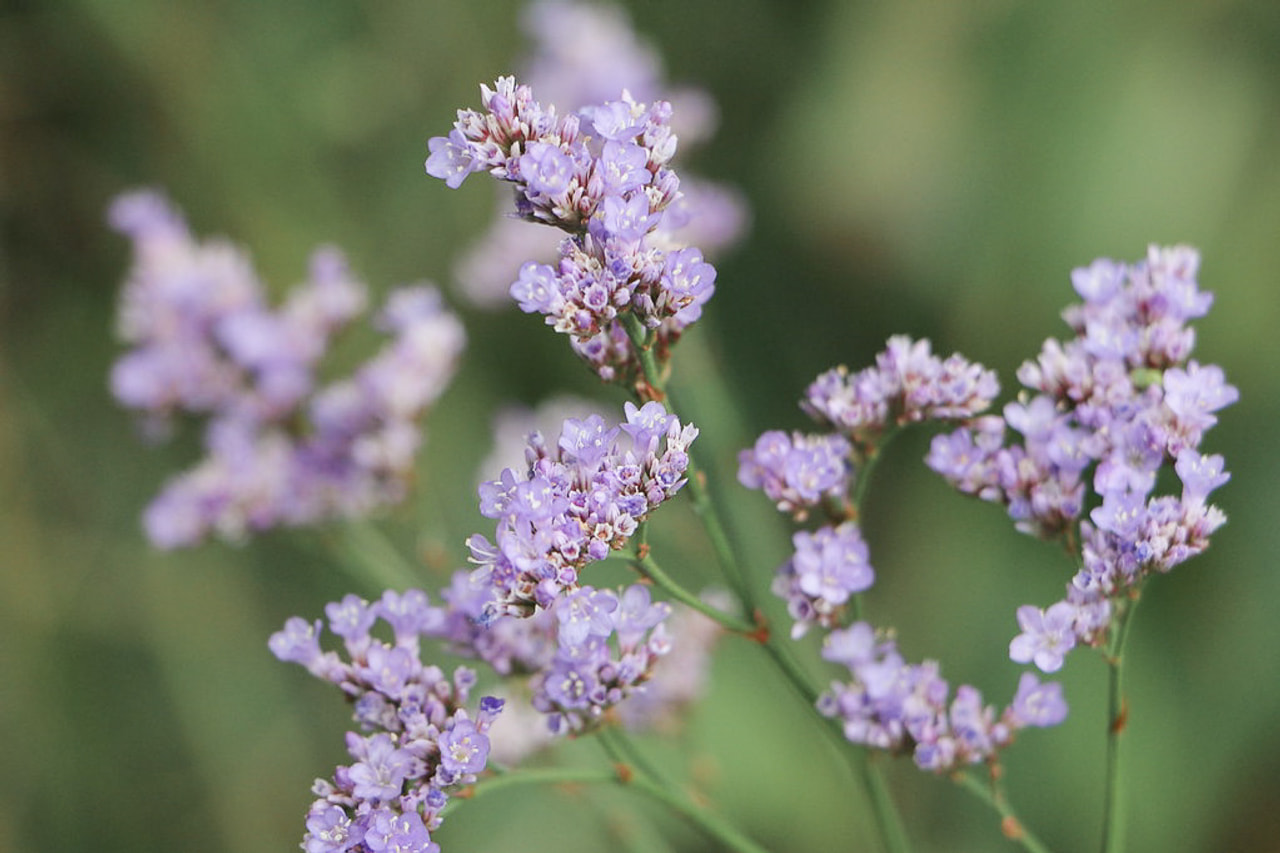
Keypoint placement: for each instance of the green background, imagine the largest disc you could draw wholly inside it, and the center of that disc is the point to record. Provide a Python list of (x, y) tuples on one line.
[(931, 168)]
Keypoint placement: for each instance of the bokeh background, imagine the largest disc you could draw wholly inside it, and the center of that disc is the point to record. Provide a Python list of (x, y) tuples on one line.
[(929, 168)]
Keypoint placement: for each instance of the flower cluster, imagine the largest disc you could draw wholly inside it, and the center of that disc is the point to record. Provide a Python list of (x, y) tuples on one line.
[(829, 565), (797, 471), (801, 472), (281, 450), (1120, 400), (601, 175), (424, 742), (908, 384), (575, 502), (588, 675), (583, 54), (902, 707), (889, 704), (589, 652)]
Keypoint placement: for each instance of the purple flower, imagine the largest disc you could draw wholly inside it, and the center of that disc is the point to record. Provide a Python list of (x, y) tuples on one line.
[(586, 613), (451, 159), (382, 770), (570, 684), (1037, 704), (330, 829), (1200, 474), (1195, 393), (546, 168), (463, 748), (1047, 635), (623, 167), (388, 831), (828, 566), (351, 618), (796, 471)]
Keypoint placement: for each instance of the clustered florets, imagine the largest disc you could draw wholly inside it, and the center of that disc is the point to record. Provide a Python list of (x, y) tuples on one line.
[(829, 566), (281, 451), (575, 503), (797, 471), (590, 652), (904, 708), (1120, 401), (802, 472), (908, 384), (424, 742), (602, 176), (889, 704)]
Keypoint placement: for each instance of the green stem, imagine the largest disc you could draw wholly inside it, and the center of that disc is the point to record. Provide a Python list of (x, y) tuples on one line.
[(635, 772), (1113, 821), (730, 565), (533, 776), (649, 568), (703, 505), (990, 793)]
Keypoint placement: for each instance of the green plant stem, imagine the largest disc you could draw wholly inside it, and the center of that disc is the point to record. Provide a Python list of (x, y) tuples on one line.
[(649, 568), (703, 505), (634, 771), (1113, 820), (1013, 828), (730, 565)]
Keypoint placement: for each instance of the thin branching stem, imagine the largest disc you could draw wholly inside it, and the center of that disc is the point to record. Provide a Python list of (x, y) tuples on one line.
[(1113, 821), (990, 792)]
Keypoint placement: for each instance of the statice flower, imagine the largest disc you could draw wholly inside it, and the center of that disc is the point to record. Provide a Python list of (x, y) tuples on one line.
[(908, 708), (908, 384), (664, 699), (829, 565), (417, 740), (1109, 410), (607, 647), (584, 55), (588, 652), (281, 448), (575, 502), (603, 177), (525, 650), (797, 471)]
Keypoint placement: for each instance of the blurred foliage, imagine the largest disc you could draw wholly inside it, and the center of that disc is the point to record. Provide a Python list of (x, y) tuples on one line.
[(929, 168)]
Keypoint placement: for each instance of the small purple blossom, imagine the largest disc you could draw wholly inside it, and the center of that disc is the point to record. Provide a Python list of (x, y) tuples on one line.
[(1037, 704), (1047, 636), (464, 748)]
